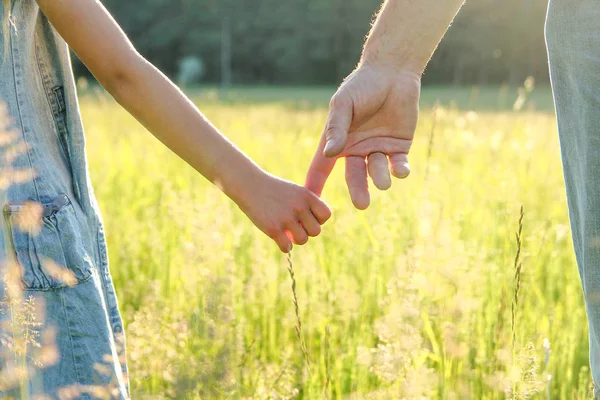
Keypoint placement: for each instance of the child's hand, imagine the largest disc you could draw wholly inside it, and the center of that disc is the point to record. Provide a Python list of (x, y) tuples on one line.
[(284, 211)]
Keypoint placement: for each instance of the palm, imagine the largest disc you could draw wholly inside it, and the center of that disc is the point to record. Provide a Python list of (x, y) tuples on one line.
[(376, 112)]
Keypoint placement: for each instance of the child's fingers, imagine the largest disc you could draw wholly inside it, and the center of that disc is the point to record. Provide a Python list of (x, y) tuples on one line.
[(283, 241), (310, 224), (296, 233), (319, 209)]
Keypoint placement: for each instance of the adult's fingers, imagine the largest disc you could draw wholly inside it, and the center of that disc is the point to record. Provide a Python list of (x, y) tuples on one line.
[(320, 210), (319, 170), (356, 179), (296, 232), (383, 144), (399, 165), (338, 124), (379, 172)]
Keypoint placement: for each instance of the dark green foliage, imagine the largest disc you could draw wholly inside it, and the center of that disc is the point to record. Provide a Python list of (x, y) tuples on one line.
[(319, 41)]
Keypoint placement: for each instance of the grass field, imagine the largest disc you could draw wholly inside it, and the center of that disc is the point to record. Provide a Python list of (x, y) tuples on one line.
[(412, 299)]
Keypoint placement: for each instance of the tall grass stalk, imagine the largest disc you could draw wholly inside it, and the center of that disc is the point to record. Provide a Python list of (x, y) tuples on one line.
[(517, 279), (299, 332), (515, 302)]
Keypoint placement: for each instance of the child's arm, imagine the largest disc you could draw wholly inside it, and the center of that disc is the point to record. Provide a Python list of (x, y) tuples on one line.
[(274, 205)]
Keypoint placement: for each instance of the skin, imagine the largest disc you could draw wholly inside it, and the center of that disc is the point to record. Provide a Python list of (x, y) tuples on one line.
[(286, 212), (373, 115)]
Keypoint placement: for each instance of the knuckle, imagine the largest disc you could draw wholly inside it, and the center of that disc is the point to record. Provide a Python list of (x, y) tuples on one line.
[(340, 99), (299, 209), (330, 130), (289, 222), (334, 101), (334, 127)]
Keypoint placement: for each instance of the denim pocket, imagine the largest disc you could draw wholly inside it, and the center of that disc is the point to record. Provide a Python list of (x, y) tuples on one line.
[(51, 251), (59, 111)]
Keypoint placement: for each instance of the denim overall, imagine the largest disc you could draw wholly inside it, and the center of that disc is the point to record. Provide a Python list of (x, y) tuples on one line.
[(38, 89)]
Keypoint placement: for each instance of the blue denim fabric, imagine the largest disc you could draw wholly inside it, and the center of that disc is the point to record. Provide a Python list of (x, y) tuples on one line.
[(37, 86), (573, 41)]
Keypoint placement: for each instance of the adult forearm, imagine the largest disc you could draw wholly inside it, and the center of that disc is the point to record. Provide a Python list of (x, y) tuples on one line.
[(407, 32)]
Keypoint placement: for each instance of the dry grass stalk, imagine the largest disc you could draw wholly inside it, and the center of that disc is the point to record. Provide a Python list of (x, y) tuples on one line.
[(517, 266), (299, 333)]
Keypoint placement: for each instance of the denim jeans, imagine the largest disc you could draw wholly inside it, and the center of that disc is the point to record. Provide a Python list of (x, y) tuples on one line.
[(573, 41)]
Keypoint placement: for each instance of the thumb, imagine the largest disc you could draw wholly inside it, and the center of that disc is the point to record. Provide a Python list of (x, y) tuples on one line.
[(338, 124)]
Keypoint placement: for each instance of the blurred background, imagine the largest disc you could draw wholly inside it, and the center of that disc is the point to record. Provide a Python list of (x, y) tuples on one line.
[(457, 283), (426, 295), (319, 41)]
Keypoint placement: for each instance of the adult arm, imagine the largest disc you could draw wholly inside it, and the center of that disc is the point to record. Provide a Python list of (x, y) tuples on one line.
[(373, 115)]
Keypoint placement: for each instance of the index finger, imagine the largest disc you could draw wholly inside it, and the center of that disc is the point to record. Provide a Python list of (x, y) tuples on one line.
[(319, 170)]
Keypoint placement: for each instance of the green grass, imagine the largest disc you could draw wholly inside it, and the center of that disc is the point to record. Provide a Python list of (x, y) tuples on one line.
[(487, 98), (410, 299)]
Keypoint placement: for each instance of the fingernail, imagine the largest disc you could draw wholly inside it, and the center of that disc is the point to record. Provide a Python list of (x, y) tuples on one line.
[(328, 147)]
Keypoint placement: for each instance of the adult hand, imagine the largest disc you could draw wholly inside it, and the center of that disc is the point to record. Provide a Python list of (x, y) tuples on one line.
[(372, 118)]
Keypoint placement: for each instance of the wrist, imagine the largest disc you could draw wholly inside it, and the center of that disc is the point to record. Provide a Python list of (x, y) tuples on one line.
[(396, 60), (391, 72), (243, 185)]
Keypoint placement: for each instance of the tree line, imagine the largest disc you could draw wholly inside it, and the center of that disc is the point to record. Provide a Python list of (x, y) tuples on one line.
[(320, 41)]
